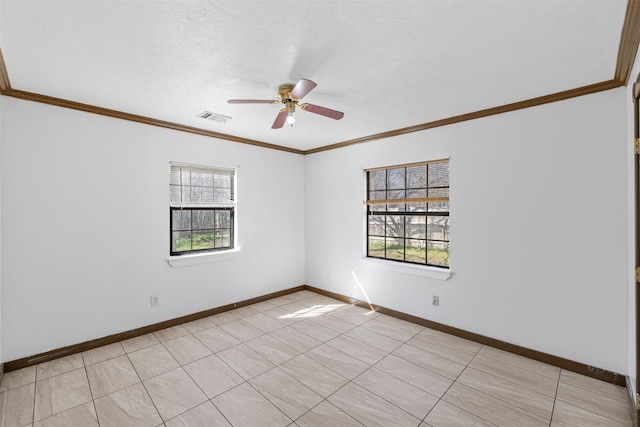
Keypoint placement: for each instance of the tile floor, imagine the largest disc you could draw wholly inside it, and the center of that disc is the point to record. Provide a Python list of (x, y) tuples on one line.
[(304, 360)]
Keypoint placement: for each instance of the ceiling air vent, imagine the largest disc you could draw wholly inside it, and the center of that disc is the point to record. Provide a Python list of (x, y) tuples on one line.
[(214, 117)]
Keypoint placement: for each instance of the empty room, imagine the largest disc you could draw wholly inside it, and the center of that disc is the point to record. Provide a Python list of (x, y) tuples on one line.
[(319, 213)]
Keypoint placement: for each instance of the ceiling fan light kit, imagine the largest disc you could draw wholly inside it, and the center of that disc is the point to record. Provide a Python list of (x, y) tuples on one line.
[(290, 95)]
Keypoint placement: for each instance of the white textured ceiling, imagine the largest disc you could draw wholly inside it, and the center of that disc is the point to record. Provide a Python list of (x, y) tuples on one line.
[(385, 64)]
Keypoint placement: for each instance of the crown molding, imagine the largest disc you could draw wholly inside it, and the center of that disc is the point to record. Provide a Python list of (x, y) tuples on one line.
[(528, 103), (4, 76), (629, 41)]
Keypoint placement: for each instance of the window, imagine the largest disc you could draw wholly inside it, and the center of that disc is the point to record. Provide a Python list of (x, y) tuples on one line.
[(408, 213), (201, 208)]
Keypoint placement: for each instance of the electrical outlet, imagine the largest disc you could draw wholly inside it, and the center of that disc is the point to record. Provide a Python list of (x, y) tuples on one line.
[(435, 300), (155, 300)]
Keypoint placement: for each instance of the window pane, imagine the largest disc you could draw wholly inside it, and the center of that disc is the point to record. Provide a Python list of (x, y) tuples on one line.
[(201, 195), (376, 225), (395, 249), (220, 194), (202, 240), (395, 178), (174, 194), (201, 177), (203, 219), (218, 238), (399, 207), (377, 180), (415, 194), (180, 241), (439, 192), (378, 208), (185, 195), (223, 219), (222, 181), (395, 226), (416, 226), (416, 251), (175, 176), (396, 194), (439, 174), (185, 176), (438, 228), (438, 253), (225, 241), (376, 247), (439, 207), (417, 177), (377, 195), (416, 207), (181, 220)]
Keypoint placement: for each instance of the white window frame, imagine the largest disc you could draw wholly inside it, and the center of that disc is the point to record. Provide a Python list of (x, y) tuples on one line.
[(216, 198)]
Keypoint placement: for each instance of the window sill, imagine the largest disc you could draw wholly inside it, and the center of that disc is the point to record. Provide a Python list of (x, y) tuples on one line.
[(184, 260), (412, 269)]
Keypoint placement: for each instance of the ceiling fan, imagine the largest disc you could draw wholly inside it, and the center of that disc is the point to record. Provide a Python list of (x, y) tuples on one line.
[(289, 95)]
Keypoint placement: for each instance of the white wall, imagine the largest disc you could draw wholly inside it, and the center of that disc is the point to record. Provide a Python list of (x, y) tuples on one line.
[(538, 234), (85, 226)]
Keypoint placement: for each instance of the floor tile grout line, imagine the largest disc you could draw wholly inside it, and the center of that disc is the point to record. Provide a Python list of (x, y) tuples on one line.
[(555, 398), (381, 397), (35, 395), (93, 400), (509, 381), (504, 401), (506, 379), (326, 400), (443, 347), (497, 360), (49, 378), (84, 367), (426, 368), (617, 423), (269, 400), (208, 399), (455, 380), (494, 397), (145, 387), (606, 416), (405, 341), (591, 390)]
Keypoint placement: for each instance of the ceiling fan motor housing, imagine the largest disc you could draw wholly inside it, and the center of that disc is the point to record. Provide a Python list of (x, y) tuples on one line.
[(284, 92)]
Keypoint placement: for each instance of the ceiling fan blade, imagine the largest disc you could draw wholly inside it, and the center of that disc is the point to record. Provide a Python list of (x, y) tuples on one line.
[(302, 88), (327, 112), (252, 101), (280, 119)]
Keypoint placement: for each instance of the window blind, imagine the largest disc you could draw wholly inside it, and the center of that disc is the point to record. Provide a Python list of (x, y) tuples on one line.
[(426, 182), (201, 186)]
